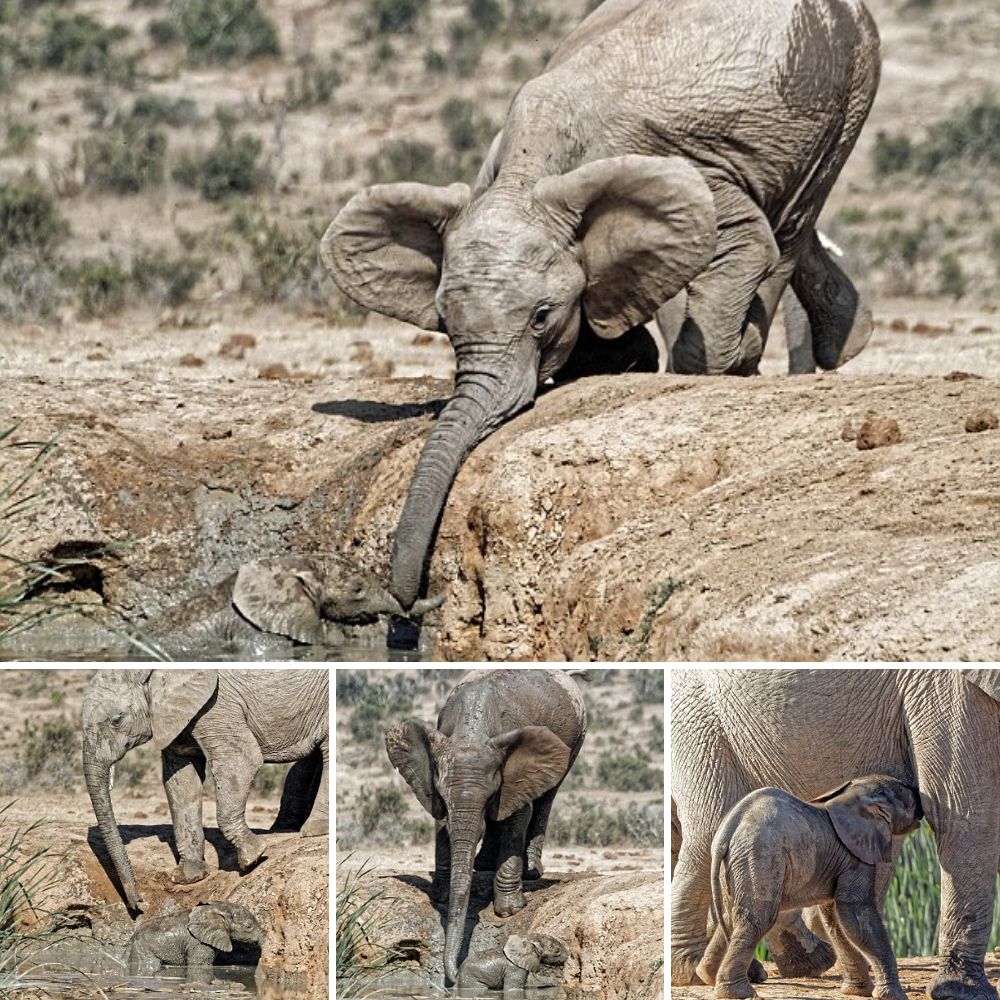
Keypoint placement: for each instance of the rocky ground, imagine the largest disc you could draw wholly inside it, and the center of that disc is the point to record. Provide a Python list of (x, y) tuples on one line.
[(914, 974), (288, 892), (631, 517), (610, 916)]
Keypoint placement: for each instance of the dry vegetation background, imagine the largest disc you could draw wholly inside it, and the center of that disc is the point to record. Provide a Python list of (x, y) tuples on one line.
[(166, 167), (613, 796)]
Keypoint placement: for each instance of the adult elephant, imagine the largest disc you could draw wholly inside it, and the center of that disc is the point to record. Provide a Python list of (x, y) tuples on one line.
[(669, 145), (504, 741), (235, 719), (807, 730)]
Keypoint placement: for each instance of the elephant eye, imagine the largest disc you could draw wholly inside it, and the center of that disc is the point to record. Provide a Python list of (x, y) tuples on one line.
[(541, 316), (117, 720)]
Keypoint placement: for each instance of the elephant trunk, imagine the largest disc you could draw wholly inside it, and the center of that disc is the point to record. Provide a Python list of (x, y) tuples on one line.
[(462, 854), (484, 398), (97, 774)]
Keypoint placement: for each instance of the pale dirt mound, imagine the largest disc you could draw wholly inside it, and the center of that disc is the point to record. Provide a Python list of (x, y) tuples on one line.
[(631, 517), (914, 974), (610, 919)]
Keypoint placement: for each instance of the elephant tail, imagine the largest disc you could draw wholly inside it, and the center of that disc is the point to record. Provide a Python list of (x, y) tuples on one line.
[(720, 851)]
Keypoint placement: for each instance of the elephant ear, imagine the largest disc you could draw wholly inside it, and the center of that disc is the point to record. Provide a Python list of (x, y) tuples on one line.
[(521, 951), (384, 248), (535, 761), (282, 596), (646, 227), (863, 824), (985, 678), (176, 697), (210, 927), (409, 749)]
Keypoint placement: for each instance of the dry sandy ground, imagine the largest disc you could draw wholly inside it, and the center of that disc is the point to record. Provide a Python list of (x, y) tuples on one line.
[(914, 973)]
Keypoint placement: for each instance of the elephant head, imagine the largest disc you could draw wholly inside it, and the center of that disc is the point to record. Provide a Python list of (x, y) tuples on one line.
[(529, 951), (220, 924), (297, 596), (123, 709), (509, 275), (466, 783), (868, 812)]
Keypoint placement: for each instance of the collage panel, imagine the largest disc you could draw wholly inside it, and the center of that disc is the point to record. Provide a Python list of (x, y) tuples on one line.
[(164, 833), (834, 831), (460, 870)]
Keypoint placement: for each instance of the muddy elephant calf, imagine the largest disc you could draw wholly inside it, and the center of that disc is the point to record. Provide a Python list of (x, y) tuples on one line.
[(508, 969)]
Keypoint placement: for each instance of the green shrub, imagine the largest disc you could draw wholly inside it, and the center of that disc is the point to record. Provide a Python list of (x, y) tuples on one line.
[(892, 154), (593, 824), (434, 62), (29, 218), (314, 84), (166, 280), (281, 260), (972, 136), (465, 47), (466, 127), (126, 159), (164, 31), (133, 768), (20, 135), (486, 15), (952, 280), (898, 242), (270, 780), (628, 772), (226, 30), (231, 167), (152, 109), (378, 805), (79, 43), (529, 18), (50, 753), (393, 16), (351, 685), (31, 284), (405, 159), (647, 686), (852, 215), (101, 287)]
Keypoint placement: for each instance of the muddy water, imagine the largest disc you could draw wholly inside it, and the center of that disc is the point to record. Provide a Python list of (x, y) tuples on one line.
[(413, 987)]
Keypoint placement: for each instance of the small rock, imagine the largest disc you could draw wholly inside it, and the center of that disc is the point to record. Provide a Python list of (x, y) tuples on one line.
[(362, 350), (960, 376), (424, 340), (191, 361), (878, 432), (97, 356), (981, 420), (217, 434), (276, 371), (237, 345), (899, 325), (381, 368)]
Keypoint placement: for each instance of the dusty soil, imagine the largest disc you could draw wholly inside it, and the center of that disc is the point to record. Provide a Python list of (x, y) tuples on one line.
[(288, 892), (610, 917), (914, 974), (630, 517)]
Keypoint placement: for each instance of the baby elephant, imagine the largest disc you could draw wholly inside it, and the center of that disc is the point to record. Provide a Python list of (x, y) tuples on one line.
[(508, 970), (191, 939), (781, 853)]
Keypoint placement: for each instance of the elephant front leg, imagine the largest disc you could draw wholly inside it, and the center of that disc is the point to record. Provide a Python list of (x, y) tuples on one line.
[(318, 823), (442, 864), (536, 834), (183, 780), (508, 892), (234, 772)]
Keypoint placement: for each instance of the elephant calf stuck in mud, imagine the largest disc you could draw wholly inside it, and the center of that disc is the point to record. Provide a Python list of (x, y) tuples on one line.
[(775, 852), (668, 147), (508, 969), (234, 719), (504, 742)]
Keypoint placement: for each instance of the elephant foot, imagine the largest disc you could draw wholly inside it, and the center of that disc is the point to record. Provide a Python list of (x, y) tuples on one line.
[(249, 851), (757, 973), (795, 961), (508, 905), (189, 871), (532, 873), (889, 991), (960, 979), (857, 988), (734, 991), (316, 827), (684, 969)]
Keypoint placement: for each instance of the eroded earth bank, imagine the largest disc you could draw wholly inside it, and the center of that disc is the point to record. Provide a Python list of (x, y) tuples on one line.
[(630, 517)]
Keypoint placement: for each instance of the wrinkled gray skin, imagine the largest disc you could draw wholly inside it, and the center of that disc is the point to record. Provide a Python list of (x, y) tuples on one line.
[(235, 719), (802, 730), (192, 939), (669, 146), (505, 740), (270, 605), (508, 969), (775, 852)]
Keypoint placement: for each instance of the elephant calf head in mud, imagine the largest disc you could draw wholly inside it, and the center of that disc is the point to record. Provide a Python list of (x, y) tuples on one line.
[(489, 772), (295, 598), (192, 939), (508, 969), (774, 852)]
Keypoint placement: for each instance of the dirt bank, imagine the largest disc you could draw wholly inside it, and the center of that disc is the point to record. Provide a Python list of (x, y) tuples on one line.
[(914, 974), (610, 916), (630, 517)]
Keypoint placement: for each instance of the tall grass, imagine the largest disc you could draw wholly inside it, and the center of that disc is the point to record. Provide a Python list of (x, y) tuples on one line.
[(26, 877), (357, 923)]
